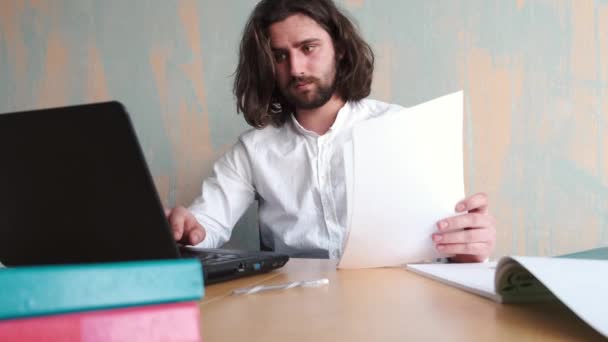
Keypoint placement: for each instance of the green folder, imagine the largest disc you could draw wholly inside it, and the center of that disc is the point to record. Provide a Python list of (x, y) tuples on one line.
[(54, 289), (600, 253)]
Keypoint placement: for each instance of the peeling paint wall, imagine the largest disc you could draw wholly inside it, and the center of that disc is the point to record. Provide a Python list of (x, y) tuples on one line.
[(535, 73)]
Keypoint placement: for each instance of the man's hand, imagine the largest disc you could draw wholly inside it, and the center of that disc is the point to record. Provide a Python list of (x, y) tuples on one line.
[(471, 237), (185, 227)]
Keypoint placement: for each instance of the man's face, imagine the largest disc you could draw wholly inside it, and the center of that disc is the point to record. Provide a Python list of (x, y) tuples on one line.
[(304, 60)]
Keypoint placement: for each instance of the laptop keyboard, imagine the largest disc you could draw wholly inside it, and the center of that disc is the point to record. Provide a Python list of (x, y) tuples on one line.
[(208, 258)]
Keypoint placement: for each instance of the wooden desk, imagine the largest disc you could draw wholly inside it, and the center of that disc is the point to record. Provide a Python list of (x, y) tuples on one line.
[(388, 304)]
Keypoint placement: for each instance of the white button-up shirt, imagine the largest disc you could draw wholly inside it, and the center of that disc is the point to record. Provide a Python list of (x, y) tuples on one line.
[(298, 178)]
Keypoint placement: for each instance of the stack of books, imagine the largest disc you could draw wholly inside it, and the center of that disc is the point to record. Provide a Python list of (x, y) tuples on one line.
[(125, 301)]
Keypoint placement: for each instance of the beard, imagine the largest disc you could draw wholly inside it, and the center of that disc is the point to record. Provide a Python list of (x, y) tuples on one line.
[(314, 98)]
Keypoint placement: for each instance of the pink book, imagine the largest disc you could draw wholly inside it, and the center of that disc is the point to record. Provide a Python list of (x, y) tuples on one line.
[(161, 322)]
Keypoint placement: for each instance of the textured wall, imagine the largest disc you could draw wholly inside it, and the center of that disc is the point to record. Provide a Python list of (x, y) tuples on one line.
[(535, 74)]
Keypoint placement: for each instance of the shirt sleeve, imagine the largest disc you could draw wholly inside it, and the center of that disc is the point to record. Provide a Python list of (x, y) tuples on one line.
[(225, 196)]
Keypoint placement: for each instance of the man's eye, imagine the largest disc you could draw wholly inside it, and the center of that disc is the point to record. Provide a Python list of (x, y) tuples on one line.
[(280, 57), (308, 48)]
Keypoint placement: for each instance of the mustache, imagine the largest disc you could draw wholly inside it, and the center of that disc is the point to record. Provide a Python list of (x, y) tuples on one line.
[(302, 79)]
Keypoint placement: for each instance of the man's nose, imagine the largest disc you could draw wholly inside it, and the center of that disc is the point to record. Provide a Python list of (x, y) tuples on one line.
[(297, 65)]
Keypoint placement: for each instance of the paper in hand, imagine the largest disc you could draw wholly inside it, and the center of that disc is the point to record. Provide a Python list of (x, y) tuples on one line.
[(407, 175)]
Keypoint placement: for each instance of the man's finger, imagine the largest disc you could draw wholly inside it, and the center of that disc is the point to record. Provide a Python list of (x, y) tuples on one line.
[(477, 202), (471, 220), (475, 248), (177, 224), (465, 236), (191, 227), (196, 235), (193, 231)]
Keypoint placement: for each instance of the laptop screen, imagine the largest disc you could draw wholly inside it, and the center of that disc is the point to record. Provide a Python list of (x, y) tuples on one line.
[(74, 187)]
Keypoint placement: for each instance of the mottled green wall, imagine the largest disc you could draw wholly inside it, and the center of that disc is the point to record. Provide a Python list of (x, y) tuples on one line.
[(535, 74)]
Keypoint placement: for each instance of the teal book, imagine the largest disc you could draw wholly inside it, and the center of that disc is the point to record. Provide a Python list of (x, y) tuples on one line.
[(56, 289)]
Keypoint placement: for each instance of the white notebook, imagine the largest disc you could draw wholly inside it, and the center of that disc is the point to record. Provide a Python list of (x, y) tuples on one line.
[(578, 282)]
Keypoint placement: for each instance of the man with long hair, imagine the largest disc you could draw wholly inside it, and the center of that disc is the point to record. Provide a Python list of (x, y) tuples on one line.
[(303, 76)]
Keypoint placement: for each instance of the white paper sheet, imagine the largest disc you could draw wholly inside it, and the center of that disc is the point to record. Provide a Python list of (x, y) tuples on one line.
[(408, 174)]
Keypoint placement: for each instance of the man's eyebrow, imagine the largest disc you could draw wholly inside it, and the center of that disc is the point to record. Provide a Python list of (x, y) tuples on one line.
[(298, 44), (308, 41)]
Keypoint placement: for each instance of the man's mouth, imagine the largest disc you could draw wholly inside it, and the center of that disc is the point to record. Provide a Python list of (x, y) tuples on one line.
[(301, 85)]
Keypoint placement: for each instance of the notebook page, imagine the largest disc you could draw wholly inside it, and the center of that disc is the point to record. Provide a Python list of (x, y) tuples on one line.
[(580, 284), (477, 278)]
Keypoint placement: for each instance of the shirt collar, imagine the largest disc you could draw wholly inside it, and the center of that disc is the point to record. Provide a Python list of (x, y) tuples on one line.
[(338, 123), (301, 129)]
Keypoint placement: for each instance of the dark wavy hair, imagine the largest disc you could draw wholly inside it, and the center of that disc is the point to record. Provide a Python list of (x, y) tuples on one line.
[(255, 88)]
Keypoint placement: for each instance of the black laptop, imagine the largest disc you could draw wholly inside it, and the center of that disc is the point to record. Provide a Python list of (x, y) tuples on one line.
[(75, 188)]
